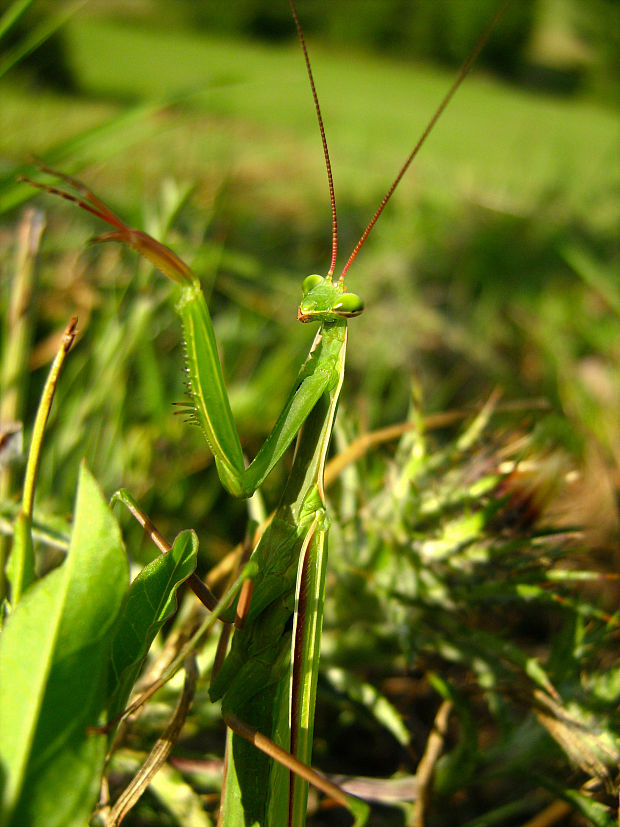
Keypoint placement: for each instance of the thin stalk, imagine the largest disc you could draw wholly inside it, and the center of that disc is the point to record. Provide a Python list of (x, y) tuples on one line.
[(22, 557), (14, 367)]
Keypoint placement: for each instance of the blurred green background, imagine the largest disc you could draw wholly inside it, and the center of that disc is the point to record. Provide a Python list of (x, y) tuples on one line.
[(495, 265)]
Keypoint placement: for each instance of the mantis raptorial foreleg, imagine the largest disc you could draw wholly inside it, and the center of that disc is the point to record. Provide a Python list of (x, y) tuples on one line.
[(356, 807), (324, 301), (286, 673)]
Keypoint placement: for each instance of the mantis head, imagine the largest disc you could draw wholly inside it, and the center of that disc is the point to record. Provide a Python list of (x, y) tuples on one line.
[(324, 300)]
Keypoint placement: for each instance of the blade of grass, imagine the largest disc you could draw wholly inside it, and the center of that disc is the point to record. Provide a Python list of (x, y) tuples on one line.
[(21, 563)]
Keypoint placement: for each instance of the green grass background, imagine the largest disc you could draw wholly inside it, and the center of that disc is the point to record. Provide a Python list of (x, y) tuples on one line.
[(469, 278), (495, 265), (465, 277)]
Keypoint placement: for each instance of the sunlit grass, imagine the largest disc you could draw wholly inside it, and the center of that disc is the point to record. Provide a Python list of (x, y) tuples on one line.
[(249, 114), (473, 237), (493, 268)]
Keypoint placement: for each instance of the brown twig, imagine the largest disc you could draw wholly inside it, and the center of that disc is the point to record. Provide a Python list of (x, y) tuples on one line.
[(159, 754), (426, 767)]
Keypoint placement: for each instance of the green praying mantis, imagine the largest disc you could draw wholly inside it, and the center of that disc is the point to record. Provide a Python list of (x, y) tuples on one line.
[(268, 681)]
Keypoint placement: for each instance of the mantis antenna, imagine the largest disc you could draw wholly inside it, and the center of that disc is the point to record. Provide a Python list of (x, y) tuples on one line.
[(463, 72), (328, 166)]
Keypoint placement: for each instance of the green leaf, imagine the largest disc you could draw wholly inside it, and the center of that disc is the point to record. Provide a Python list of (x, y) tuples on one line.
[(372, 700), (596, 813), (13, 14), (169, 785), (46, 528), (54, 653), (35, 37), (150, 602), (179, 798), (21, 562)]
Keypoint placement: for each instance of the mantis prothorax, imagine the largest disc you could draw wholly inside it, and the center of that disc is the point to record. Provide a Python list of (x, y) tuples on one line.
[(267, 683)]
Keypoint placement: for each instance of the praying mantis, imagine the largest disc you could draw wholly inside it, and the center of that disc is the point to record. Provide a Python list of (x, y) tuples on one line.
[(268, 681)]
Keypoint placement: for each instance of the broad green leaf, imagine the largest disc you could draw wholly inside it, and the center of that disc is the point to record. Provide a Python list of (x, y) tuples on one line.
[(54, 653), (150, 602)]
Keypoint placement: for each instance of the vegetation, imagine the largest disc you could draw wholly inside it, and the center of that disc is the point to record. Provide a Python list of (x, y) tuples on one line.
[(471, 574)]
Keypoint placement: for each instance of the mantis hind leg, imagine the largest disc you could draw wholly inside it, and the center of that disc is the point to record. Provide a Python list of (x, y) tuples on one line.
[(285, 709), (245, 573), (200, 589), (358, 808)]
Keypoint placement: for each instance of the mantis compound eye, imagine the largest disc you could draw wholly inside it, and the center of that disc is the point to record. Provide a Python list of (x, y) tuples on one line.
[(348, 305), (309, 282)]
